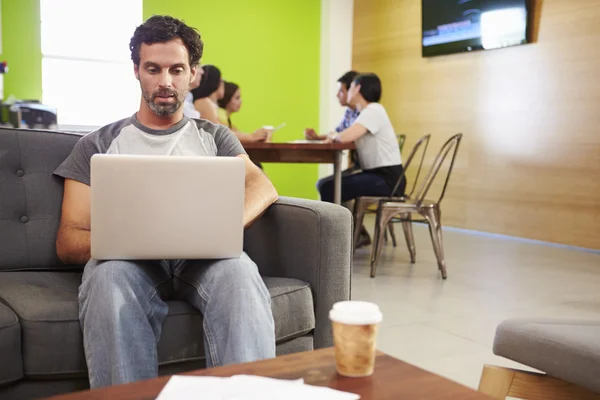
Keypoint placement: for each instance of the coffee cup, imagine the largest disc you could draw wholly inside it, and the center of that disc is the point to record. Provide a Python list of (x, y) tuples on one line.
[(354, 325), (270, 133)]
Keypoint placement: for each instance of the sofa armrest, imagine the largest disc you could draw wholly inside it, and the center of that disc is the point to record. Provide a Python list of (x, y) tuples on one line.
[(311, 241)]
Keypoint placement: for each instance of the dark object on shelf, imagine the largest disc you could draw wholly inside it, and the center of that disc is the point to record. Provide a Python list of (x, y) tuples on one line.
[(28, 114)]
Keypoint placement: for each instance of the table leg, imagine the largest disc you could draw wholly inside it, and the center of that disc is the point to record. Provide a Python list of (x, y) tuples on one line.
[(337, 174)]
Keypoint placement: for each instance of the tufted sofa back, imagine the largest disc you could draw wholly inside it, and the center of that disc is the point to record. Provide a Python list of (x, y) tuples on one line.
[(31, 197)]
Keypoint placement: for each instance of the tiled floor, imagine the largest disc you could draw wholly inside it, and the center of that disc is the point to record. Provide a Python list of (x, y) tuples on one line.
[(447, 327)]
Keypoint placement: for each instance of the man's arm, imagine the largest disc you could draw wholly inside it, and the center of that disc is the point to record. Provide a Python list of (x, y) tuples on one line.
[(260, 192), (353, 133), (73, 239)]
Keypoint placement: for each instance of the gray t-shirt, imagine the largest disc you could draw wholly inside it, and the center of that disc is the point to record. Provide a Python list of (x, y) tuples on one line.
[(189, 137), (379, 146)]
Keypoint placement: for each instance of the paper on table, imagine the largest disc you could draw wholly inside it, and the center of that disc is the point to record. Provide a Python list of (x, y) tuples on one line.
[(306, 141), (246, 387)]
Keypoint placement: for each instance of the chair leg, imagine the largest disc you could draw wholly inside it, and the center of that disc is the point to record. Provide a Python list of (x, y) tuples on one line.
[(496, 382), (392, 234), (409, 236), (433, 216), (383, 218), (500, 382), (360, 207)]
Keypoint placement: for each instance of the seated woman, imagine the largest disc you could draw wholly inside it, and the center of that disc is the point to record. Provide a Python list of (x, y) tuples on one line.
[(376, 146), (206, 95), (230, 103)]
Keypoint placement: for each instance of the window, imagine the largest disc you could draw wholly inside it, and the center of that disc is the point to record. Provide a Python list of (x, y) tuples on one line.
[(87, 73)]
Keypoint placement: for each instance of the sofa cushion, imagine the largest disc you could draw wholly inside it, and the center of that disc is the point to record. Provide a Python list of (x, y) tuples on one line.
[(11, 366), (31, 197), (563, 348), (47, 307)]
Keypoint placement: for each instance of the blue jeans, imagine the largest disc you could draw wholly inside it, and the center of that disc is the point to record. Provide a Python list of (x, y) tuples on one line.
[(122, 308), (354, 185)]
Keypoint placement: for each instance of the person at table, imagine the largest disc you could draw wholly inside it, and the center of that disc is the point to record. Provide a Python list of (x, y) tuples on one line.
[(351, 112), (206, 95), (230, 103), (188, 104), (376, 146)]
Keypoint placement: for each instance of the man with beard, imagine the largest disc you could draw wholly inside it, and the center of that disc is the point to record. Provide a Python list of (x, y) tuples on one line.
[(122, 303)]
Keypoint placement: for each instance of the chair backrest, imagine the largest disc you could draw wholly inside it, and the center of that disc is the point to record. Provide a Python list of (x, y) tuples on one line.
[(421, 144), (31, 197), (449, 149), (401, 139)]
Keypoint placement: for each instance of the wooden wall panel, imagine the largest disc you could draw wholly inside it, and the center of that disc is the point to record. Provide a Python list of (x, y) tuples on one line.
[(529, 164)]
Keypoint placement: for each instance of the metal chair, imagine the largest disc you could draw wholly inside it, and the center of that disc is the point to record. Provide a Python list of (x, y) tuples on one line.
[(389, 208), (363, 204)]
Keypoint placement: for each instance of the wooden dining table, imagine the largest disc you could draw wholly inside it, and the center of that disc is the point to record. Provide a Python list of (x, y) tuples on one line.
[(303, 152)]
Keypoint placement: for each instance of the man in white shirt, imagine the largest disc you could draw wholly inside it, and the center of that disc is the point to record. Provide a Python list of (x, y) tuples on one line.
[(376, 145)]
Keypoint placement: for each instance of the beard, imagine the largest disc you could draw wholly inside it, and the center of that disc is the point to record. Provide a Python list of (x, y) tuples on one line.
[(163, 109)]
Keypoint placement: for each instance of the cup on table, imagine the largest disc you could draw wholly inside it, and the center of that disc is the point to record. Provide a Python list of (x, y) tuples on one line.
[(270, 129), (355, 326)]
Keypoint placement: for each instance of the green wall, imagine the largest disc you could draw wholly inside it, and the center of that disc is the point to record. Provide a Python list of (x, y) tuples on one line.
[(271, 49), (268, 47), (21, 48)]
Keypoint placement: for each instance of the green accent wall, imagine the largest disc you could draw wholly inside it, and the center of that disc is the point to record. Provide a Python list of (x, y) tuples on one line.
[(271, 49), (21, 48)]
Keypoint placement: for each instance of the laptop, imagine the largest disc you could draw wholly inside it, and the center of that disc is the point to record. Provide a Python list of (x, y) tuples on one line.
[(166, 207)]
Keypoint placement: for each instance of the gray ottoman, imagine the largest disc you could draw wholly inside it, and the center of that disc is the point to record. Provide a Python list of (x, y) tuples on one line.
[(566, 350)]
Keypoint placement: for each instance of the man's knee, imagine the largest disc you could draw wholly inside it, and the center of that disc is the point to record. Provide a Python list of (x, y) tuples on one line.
[(108, 274), (121, 281), (239, 277), (325, 188)]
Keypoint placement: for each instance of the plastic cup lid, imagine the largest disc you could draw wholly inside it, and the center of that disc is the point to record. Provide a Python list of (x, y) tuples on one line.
[(355, 313)]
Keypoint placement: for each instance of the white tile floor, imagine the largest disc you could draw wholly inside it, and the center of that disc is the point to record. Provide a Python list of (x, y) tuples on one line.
[(448, 327)]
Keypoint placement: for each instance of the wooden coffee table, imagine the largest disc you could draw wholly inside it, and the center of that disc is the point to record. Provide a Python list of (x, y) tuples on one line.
[(393, 379)]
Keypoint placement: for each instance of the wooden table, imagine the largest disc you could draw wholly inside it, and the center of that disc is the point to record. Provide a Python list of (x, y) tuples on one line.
[(393, 379), (310, 152)]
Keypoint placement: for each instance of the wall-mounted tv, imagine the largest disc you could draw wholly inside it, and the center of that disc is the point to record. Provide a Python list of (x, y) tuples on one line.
[(454, 26)]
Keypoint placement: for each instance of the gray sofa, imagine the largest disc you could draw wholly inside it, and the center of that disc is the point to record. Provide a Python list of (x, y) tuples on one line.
[(303, 249)]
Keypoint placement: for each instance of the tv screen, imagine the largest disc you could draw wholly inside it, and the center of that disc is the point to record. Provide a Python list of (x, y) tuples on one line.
[(453, 26)]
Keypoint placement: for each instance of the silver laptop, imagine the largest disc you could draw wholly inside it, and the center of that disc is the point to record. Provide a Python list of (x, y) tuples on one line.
[(166, 207)]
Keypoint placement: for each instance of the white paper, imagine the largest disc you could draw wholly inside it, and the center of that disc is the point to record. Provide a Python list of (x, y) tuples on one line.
[(303, 141), (246, 387)]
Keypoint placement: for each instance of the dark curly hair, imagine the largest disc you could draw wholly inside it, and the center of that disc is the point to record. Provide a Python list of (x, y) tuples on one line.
[(161, 29), (370, 87), (347, 78), (230, 89), (211, 79)]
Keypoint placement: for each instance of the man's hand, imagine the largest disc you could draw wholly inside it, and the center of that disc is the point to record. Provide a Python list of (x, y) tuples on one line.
[(310, 134), (260, 135)]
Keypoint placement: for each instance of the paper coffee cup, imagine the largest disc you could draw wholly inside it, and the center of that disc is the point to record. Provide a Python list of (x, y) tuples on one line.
[(354, 325), (270, 128)]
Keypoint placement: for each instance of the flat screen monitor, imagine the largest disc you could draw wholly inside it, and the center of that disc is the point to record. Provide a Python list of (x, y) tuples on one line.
[(454, 26)]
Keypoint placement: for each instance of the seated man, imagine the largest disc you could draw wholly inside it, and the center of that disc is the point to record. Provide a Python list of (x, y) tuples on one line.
[(351, 112), (376, 146), (122, 303)]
